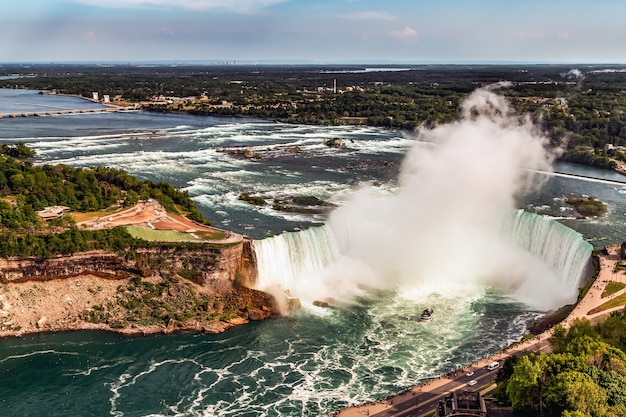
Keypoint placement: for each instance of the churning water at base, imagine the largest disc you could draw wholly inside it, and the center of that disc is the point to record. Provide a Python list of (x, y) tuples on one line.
[(306, 365), (383, 346)]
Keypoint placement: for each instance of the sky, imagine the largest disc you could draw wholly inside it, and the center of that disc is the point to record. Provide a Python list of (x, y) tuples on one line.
[(314, 31)]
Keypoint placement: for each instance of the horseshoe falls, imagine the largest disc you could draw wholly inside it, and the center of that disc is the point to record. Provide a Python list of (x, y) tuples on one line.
[(310, 265), (563, 249)]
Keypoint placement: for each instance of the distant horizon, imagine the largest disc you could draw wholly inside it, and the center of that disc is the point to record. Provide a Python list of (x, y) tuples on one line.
[(279, 62)]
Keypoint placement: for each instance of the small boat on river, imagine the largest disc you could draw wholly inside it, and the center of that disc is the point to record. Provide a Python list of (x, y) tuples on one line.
[(427, 315)]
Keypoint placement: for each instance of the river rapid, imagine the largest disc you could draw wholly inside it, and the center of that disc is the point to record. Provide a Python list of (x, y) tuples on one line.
[(311, 363)]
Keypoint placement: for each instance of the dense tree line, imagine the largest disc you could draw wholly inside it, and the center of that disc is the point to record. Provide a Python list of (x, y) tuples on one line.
[(68, 242), (26, 188), (391, 106), (33, 187), (584, 376), (73, 240)]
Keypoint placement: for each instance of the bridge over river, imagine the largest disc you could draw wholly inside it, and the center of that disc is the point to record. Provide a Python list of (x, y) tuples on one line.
[(65, 111)]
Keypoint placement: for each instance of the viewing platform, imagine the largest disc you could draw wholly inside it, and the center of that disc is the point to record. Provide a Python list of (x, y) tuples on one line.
[(65, 111)]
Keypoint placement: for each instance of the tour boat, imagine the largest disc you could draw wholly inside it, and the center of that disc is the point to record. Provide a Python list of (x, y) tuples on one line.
[(427, 314)]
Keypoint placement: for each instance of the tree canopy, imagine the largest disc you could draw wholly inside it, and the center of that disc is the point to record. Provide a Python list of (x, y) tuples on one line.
[(585, 376), (26, 188)]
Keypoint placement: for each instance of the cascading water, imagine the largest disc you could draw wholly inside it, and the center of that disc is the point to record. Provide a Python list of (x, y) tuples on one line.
[(563, 249), (298, 261), (318, 361), (290, 257)]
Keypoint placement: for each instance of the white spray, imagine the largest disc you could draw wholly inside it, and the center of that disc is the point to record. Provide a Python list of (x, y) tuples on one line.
[(442, 228)]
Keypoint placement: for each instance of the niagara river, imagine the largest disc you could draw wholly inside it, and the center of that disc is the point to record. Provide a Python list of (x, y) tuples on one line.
[(316, 360)]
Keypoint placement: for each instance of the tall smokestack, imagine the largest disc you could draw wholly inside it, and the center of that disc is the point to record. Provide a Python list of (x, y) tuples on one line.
[(335, 86)]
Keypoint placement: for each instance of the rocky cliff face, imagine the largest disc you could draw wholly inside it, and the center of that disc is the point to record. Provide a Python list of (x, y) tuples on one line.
[(144, 291), (99, 263), (214, 268)]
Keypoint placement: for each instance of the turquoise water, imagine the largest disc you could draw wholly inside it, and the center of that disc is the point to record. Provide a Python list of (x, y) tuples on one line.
[(311, 363), (303, 365)]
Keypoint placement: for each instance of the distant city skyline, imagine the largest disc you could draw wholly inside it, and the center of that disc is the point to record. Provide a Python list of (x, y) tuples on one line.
[(314, 31)]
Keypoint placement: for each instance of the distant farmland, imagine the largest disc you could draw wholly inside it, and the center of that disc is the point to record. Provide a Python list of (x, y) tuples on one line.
[(159, 235)]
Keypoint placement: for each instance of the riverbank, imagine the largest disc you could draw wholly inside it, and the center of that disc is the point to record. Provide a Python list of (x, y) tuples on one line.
[(58, 305), (427, 393)]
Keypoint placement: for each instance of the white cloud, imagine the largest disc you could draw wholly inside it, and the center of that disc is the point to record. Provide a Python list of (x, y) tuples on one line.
[(369, 15), (563, 36), (530, 35), (574, 73), (166, 31), (405, 34), (240, 6)]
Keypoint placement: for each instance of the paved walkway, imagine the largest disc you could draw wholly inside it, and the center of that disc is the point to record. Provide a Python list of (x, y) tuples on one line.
[(593, 298), (430, 391)]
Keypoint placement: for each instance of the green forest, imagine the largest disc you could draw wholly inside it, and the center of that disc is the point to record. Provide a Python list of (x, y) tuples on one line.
[(26, 188), (584, 376)]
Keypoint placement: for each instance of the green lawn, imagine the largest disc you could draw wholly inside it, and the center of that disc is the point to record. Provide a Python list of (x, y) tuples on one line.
[(158, 235), (212, 235), (613, 287), (616, 302)]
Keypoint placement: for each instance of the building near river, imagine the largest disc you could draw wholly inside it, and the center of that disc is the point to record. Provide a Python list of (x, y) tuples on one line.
[(462, 404), (53, 212)]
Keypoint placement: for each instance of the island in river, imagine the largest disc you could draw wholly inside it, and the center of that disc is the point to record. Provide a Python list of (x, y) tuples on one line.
[(115, 253)]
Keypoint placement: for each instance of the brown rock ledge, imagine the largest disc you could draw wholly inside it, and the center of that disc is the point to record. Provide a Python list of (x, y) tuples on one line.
[(157, 290)]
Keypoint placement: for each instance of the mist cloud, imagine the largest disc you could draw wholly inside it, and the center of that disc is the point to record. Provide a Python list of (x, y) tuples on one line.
[(574, 73), (456, 184), (441, 231)]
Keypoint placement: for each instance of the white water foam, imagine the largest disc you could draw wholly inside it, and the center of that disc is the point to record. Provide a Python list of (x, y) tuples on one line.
[(311, 264)]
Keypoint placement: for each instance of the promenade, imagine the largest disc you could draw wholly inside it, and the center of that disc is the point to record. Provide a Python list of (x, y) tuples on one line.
[(421, 400)]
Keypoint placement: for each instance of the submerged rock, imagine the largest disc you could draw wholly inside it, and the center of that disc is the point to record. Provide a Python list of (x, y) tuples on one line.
[(335, 143), (293, 304)]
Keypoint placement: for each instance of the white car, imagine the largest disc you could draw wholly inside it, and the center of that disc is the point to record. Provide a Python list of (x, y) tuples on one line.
[(472, 383), (470, 373), (493, 365)]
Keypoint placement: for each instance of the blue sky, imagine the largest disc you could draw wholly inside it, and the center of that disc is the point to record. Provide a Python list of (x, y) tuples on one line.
[(319, 31)]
